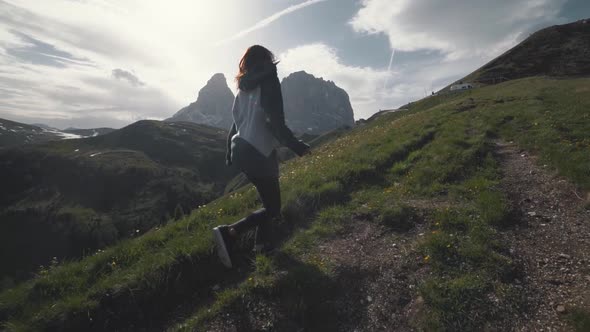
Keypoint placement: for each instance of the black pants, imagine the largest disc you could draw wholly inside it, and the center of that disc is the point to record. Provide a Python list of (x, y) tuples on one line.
[(270, 195), (263, 173)]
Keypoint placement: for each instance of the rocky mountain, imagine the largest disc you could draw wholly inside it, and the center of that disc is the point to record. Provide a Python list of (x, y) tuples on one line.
[(69, 197), (315, 106), (312, 105), (212, 107), (559, 51)]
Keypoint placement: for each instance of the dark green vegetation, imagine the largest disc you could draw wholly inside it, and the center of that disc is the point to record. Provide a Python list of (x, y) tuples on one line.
[(67, 198), (580, 320), (440, 150)]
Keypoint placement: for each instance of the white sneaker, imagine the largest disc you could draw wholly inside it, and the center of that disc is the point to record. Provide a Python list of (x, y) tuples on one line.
[(220, 236)]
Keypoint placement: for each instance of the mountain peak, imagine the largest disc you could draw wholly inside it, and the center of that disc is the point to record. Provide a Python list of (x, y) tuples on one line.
[(217, 79), (212, 107), (314, 105)]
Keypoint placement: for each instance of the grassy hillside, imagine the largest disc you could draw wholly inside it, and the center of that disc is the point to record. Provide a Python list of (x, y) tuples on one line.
[(427, 175), (65, 199)]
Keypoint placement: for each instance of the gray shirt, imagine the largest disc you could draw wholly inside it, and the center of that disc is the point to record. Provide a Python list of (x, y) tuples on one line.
[(250, 120)]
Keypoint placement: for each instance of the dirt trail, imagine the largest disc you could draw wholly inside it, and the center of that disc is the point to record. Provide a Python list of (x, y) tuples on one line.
[(376, 273), (378, 270), (551, 241)]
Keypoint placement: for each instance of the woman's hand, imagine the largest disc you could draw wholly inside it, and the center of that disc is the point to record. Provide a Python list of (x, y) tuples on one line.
[(301, 148)]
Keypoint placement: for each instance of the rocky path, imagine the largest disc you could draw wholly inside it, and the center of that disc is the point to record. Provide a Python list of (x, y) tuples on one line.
[(550, 241)]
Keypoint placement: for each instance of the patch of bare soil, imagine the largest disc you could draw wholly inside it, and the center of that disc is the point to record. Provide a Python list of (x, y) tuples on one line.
[(551, 242), (373, 287), (387, 268)]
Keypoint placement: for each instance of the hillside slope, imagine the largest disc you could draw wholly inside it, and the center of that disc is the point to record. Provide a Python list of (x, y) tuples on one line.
[(558, 51), (64, 199), (404, 223)]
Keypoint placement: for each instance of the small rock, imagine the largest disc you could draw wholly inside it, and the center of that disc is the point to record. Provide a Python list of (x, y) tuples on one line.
[(369, 299), (561, 309), (532, 214), (564, 256), (216, 287)]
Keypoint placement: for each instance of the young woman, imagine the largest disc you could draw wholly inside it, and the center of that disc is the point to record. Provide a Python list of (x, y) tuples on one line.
[(259, 128)]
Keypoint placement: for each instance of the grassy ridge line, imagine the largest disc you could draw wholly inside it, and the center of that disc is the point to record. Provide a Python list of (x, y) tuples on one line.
[(141, 264)]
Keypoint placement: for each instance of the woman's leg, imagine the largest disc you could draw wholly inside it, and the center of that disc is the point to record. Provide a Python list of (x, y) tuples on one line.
[(270, 194)]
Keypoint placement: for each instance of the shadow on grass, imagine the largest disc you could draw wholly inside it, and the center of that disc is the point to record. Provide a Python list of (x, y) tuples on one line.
[(303, 298)]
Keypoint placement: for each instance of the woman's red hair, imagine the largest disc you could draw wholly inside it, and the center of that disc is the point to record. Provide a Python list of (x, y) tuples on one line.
[(255, 55)]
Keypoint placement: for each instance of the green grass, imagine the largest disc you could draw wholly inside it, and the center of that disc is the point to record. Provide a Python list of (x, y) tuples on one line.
[(579, 319), (439, 149)]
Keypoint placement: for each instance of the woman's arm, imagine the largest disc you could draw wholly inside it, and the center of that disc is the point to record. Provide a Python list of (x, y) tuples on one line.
[(272, 103), (232, 131)]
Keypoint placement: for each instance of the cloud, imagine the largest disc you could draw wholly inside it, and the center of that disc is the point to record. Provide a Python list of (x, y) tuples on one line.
[(263, 23), (121, 74), (457, 28), (37, 52)]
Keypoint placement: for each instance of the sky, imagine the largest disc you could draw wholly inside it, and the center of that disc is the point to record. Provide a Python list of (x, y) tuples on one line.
[(97, 63)]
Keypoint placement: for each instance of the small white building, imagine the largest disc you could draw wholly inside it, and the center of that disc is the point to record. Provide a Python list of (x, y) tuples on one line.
[(461, 86)]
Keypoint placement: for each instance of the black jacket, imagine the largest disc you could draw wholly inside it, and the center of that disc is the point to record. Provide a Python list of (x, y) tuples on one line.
[(271, 99)]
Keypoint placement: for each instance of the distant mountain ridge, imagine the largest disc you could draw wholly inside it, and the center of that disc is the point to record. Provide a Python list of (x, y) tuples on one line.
[(92, 132), (14, 133)]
